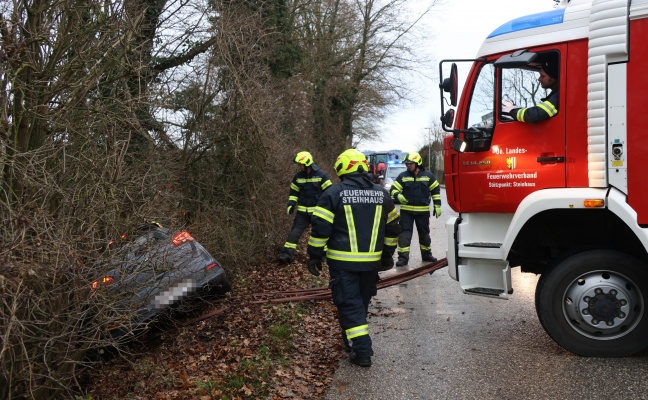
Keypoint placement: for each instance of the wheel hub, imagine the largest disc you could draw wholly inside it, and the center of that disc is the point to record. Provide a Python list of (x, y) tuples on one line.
[(602, 305)]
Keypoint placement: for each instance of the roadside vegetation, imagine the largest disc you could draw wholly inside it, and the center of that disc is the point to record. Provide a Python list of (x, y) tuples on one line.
[(114, 114), (248, 351)]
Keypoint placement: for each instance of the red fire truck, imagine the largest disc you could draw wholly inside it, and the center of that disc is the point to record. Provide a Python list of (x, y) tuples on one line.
[(565, 198)]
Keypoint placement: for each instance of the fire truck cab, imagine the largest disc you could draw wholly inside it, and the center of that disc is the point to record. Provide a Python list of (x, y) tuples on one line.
[(566, 198)]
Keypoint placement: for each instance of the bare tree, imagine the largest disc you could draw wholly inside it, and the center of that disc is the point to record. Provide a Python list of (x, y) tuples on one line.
[(432, 151), (186, 112), (522, 86), (363, 50), (78, 168), (382, 50)]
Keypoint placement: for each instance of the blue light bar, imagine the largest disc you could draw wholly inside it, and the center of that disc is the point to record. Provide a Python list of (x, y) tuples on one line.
[(546, 18)]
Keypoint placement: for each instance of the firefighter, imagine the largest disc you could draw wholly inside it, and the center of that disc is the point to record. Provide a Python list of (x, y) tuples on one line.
[(355, 225), (413, 189), (381, 168), (378, 179), (305, 189), (548, 108)]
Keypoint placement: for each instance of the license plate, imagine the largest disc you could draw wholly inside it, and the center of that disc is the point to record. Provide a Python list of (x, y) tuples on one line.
[(173, 294)]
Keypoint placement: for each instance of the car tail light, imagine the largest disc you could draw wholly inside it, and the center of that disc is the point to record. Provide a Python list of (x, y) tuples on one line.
[(105, 281), (112, 242), (210, 266), (182, 237)]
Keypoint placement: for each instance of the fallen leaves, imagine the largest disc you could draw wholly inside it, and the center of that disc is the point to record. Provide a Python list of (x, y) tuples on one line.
[(249, 351)]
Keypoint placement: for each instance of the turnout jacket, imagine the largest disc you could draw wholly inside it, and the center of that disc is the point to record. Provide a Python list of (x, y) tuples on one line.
[(357, 222), (306, 188), (545, 110), (417, 189)]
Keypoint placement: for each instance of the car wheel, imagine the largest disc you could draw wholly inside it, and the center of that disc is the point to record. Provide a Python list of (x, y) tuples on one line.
[(222, 287), (593, 304)]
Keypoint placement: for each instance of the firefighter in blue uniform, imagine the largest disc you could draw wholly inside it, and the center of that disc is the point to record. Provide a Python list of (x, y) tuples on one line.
[(305, 189), (413, 189), (355, 225)]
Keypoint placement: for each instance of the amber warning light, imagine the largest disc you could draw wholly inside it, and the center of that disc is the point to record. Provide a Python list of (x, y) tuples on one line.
[(594, 203)]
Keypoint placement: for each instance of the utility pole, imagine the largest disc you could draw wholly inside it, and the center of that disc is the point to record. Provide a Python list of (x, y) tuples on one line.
[(429, 147)]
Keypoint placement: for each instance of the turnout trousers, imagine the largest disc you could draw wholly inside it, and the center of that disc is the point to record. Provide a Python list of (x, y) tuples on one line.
[(301, 222), (407, 221), (352, 292)]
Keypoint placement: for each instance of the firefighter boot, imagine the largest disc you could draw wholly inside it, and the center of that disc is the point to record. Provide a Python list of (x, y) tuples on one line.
[(401, 262), (428, 257), (362, 361)]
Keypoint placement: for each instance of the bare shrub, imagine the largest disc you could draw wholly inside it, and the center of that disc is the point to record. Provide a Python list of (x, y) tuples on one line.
[(51, 252), (188, 113)]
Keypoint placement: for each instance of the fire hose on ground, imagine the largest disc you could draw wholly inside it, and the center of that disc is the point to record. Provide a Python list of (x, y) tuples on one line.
[(324, 293)]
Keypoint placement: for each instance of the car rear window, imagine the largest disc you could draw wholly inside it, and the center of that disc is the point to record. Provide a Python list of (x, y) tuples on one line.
[(394, 170)]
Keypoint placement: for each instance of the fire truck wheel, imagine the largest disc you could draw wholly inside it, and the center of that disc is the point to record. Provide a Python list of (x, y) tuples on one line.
[(594, 303)]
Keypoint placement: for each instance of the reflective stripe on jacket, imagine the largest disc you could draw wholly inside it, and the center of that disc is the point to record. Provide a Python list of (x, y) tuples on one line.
[(540, 112), (358, 223), (306, 189), (417, 189)]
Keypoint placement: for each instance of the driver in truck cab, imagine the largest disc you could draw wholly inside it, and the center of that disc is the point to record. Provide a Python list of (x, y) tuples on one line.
[(548, 108)]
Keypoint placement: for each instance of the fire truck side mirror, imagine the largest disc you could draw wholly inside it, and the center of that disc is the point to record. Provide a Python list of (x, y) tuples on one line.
[(450, 85), (448, 118)]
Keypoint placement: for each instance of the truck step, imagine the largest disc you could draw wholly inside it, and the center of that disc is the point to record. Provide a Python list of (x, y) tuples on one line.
[(484, 291), (484, 244)]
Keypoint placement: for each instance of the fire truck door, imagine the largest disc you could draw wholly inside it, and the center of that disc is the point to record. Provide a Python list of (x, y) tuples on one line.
[(522, 157)]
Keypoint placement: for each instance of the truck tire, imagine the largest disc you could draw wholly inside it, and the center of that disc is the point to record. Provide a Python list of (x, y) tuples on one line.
[(593, 304)]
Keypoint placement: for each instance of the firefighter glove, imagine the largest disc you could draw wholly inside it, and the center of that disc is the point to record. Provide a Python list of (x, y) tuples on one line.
[(291, 207), (401, 198), (437, 210), (314, 266)]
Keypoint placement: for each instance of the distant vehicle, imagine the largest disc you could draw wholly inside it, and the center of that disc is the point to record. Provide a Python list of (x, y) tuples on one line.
[(379, 161), (157, 271), (391, 173)]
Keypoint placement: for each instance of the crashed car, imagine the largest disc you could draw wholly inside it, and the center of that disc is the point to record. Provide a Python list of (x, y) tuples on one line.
[(158, 270)]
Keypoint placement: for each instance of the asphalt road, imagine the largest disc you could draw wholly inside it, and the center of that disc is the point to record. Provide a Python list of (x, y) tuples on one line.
[(431, 341)]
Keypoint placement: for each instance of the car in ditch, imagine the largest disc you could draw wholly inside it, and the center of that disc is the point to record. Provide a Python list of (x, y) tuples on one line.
[(160, 269)]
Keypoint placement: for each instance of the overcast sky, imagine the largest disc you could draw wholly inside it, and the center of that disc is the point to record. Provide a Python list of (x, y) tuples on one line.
[(457, 29)]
